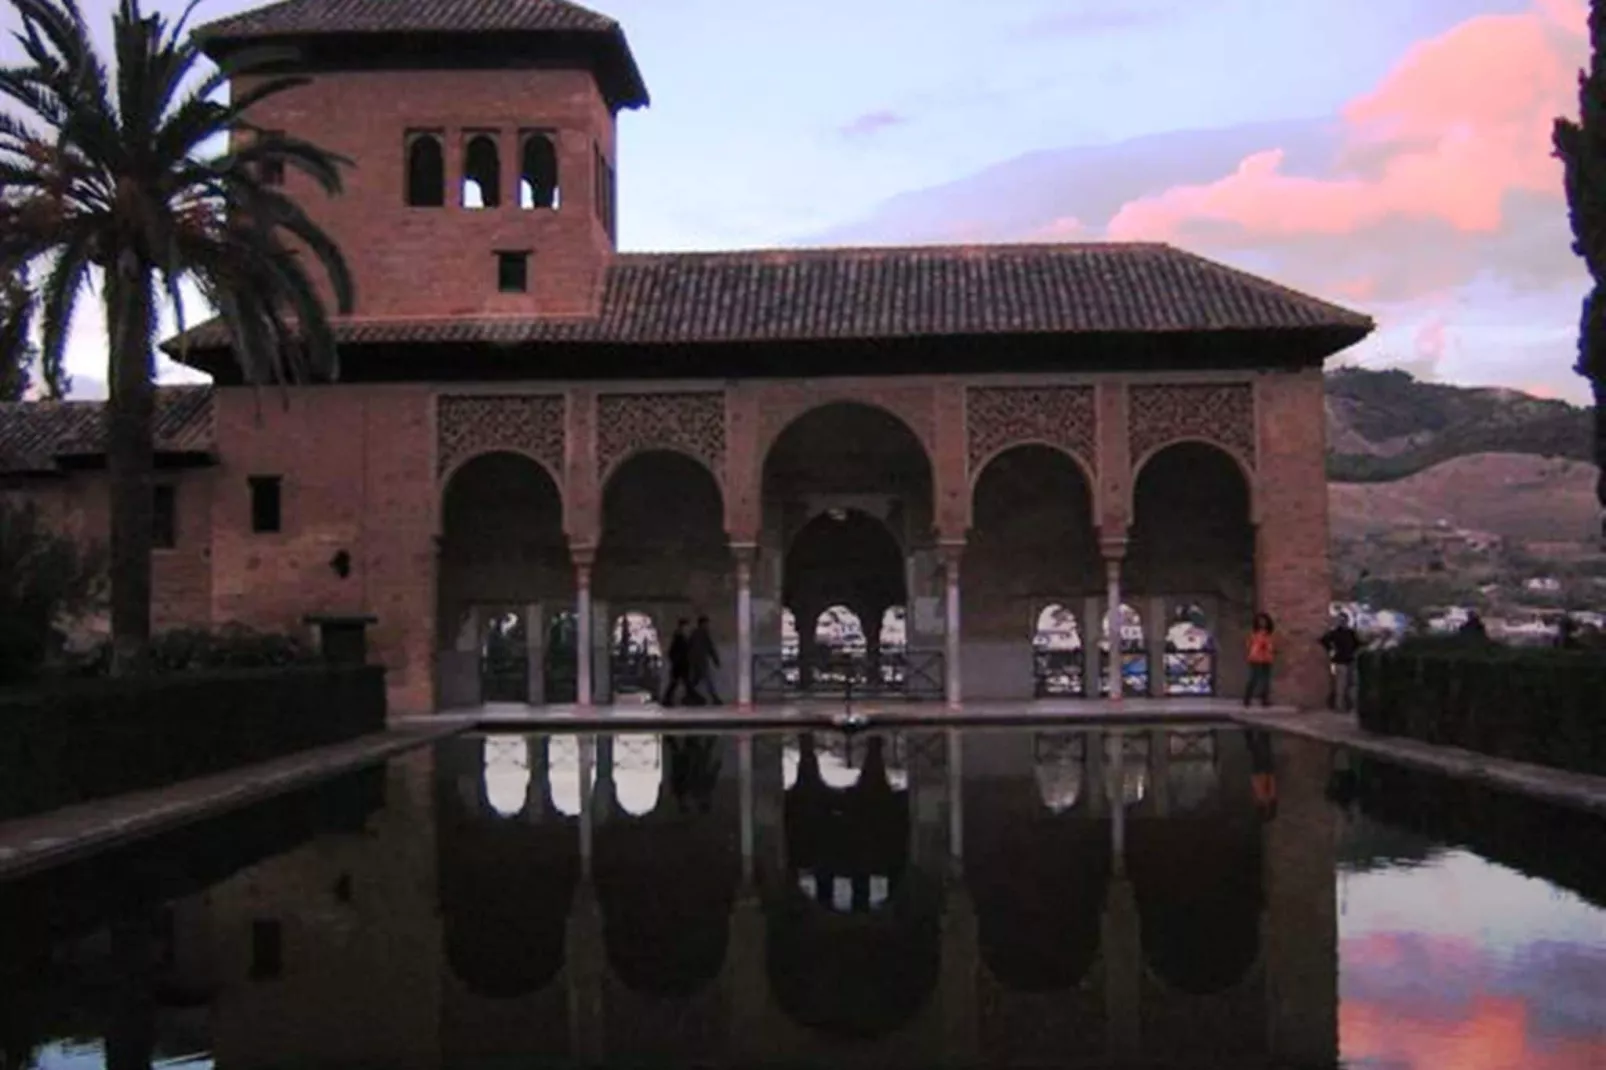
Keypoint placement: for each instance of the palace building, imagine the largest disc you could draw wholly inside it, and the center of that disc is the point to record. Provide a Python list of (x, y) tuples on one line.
[(925, 470)]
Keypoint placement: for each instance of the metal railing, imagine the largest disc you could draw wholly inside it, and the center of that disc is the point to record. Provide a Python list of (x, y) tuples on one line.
[(915, 675)]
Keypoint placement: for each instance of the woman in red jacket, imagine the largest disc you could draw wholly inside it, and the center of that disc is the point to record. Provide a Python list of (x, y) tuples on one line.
[(1262, 653)]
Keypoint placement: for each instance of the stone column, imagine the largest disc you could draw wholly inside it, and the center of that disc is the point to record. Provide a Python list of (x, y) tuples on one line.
[(535, 652), (584, 557), (951, 554), (1113, 551), (744, 623)]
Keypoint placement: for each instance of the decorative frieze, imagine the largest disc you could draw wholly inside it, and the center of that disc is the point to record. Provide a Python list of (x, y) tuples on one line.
[(1222, 413), (471, 424), (998, 417), (689, 423)]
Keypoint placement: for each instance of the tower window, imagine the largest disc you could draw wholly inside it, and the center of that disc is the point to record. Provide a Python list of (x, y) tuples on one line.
[(513, 272), (266, 511), (482, 173), (164, 516), (538, 173), (426, 172), (271, 172)]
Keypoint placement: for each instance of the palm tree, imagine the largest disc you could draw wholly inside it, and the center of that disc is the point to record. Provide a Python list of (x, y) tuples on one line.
[(112, 170), (1582, 148)]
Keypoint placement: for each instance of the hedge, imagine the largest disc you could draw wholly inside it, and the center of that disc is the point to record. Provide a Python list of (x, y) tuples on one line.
[(1530, 704), (75, 740)]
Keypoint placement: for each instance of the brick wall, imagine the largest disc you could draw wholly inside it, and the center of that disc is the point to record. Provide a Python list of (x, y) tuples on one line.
[(355, 464), (1293, 576), (441, 261)]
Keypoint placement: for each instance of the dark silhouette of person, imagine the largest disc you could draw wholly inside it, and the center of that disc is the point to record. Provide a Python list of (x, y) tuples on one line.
[(1342, 644), (1262, 650), (703, 656), (679, 664), (1567, 634), (1473, 627)]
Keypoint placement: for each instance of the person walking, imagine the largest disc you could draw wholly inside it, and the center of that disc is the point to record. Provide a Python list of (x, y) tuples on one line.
[(1342, 644), (703, 657), (679, 664), (1262, 654)]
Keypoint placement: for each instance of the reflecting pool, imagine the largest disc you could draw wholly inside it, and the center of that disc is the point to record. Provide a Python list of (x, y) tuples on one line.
[(1188, 897)]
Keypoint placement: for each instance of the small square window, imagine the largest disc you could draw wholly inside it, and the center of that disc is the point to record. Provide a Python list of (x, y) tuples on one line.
[(267, 949), (266, 513), (271, 172), (164, 517), (513, 272)]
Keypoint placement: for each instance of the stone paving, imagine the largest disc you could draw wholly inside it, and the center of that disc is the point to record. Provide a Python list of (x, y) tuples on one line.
[(32, 843), (1577, 790)]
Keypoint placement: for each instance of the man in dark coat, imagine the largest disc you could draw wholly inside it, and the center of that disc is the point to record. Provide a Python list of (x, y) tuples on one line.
[(704, 658), (1342, 644), (679, 664)]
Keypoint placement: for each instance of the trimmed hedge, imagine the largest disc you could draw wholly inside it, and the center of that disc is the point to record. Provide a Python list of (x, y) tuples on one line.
[(1530, 704), (76, 740)]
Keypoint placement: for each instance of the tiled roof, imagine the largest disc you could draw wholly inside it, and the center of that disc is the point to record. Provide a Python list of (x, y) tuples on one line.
[(299, 17), (35, 435), (839, 294)]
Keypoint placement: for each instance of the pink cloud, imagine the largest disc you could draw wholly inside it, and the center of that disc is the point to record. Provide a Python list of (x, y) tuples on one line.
[(1461, 121)]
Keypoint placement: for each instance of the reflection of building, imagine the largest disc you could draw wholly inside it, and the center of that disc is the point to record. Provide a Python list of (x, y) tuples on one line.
[(532, 422), (1007, 898)]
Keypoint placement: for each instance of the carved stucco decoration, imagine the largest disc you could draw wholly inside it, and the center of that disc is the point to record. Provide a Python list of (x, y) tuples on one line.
[(689, 423), (998, 417), (472, 424), (1222, 413)]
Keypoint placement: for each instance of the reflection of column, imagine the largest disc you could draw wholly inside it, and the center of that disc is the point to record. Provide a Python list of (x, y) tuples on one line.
[(744, 624), (584, 967), (746, 973), (583, 557), (951, 553), (535, 793), (605, 786), (588, 749), (744, 773), (956, 795), (1159, 787), (1114, 618), (1123, 971), (958, 978), (1115, 785), (928, 788)]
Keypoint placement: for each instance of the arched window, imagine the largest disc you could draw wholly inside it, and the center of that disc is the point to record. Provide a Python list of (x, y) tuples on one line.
[(538, 174), (482, 173), (505, 762), (426, 172)]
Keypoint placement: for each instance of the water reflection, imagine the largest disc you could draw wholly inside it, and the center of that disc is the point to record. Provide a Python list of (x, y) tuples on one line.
[(1209, 897)]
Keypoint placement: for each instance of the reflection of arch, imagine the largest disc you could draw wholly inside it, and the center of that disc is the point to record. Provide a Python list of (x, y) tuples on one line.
[(1038, 882), (859, 956), (666, 882), (1060, 767), (506, 773), (563, 774), (505, 886), (1198, 882), (638, 772)]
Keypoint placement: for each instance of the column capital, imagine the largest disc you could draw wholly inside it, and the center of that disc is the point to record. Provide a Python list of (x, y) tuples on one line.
[(951, 551), (1114, 547), (744, 552), (583, 557)]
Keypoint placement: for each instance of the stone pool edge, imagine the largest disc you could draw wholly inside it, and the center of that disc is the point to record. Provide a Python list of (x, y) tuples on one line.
[(41, 841), (1579, 791)]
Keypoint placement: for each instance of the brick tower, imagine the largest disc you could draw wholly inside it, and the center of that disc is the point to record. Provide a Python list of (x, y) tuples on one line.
[(482, 138)]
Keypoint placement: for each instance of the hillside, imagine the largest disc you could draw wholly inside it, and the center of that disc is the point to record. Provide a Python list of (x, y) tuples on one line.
[(1384, 425)]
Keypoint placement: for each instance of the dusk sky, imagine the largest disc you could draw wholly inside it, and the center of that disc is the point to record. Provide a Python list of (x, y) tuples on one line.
[(1394, 157)]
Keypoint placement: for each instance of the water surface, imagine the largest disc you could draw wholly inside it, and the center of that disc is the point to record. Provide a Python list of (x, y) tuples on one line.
[(1200, 897)]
